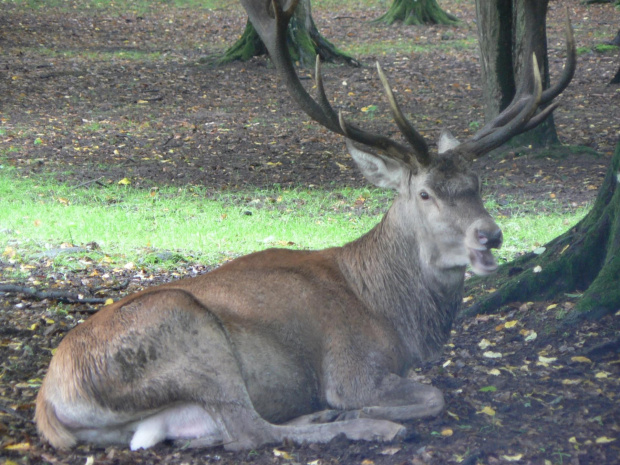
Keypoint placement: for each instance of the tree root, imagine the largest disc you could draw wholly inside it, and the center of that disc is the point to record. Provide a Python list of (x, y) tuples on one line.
[(412, 12), (584, 260)]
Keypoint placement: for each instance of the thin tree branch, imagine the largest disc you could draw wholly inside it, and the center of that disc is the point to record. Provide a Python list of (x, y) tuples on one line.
[(62, 296)]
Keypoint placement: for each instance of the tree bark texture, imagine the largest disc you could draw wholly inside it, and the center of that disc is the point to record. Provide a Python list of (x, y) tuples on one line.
[(509, 31), (416, 12), (305, 42), (585, 260)]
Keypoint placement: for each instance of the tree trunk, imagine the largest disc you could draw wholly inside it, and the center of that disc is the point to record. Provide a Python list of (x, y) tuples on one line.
[(509, 33), (417, 12), (305, 42), (585, 260), (616, 78)]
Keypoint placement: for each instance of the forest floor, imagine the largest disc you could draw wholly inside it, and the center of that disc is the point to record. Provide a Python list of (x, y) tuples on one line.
[(99, 96)]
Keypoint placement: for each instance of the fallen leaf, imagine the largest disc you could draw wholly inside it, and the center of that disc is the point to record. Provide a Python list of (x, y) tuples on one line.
[(487, 411), (390, 450), (488, 389), (537, 269), (542, 359), (511, 324), (9, 252), (604, 440), (530, 337), (512, 458), (453, 415), (26, 446), (602, 375), (552, 306), (571, 382), (124, 182), (581, 359), (483, 344), (490, 354), (283, 454), (447, 432), (108, 302), (494, 372)]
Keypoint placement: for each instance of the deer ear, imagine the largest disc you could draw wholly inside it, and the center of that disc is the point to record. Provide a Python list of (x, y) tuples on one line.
[(446, 141), (382, 172)]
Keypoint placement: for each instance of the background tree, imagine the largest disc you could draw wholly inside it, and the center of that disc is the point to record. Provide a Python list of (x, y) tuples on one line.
[(305, 42), (417, 12), (509, 32), (585, 260)]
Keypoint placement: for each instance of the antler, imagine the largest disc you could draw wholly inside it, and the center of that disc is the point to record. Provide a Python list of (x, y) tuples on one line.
[(270, 19), (520, 115), (271, 24)]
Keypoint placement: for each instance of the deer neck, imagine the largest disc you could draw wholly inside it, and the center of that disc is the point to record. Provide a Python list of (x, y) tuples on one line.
[(386, 272)]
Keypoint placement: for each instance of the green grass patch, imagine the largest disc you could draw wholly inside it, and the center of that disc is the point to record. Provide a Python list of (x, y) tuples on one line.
[(403, 46), (208, 227), (600, 48), (196, 225)]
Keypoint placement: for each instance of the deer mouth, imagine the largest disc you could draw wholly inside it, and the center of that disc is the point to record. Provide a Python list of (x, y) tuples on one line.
[(482, 261)]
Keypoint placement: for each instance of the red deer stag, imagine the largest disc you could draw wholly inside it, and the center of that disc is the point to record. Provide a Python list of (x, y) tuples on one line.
[(303, 345)]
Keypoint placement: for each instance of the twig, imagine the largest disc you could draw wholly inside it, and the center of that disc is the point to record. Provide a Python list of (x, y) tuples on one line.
[(96, 181), (61, 296), (13, 413)]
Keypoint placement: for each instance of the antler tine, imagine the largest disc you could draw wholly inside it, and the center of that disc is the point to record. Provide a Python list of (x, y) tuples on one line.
[(322, 111), (569, 68), (474, 148), (489, 135), (406, 128), (547, 95), (283, 63)]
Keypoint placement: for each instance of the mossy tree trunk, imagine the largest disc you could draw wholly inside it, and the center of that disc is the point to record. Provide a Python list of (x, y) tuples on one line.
[(415, 12), (305, 42), (585, 260), (508, 32)]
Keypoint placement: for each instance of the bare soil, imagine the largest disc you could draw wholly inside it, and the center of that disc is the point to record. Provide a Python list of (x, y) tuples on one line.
[(97, 97)]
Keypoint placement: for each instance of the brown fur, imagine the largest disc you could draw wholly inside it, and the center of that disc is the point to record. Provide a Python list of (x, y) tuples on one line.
[(48, 424)]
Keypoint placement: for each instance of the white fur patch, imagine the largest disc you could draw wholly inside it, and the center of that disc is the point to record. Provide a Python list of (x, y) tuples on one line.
[(187, 421)]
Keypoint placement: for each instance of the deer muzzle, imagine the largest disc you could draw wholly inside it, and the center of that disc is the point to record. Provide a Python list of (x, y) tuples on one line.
[(482, 237)]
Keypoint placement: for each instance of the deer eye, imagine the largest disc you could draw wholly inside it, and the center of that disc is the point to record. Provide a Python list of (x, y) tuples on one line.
[(424, 195)]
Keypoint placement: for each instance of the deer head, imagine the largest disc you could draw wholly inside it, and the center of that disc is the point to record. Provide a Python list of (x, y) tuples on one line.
[(441, 186)]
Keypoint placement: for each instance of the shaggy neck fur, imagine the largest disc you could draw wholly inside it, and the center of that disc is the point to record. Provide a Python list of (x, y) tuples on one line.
[(385, 270)]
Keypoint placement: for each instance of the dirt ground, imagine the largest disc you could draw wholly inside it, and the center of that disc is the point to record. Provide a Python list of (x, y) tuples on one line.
[(94, 97)]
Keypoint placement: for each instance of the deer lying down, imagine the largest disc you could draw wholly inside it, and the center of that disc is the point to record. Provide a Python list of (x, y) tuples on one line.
[(303, 345)]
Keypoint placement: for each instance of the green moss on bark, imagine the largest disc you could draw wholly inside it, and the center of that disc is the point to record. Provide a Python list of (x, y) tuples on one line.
[(247, 46), (417, 12), (305, 43), (585, 259)]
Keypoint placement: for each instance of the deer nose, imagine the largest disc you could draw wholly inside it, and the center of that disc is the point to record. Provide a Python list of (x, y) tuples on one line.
[(490, 239)]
